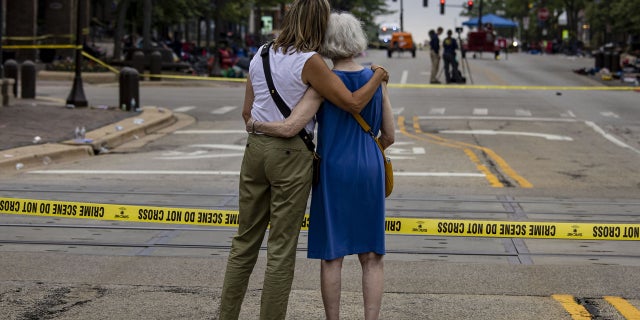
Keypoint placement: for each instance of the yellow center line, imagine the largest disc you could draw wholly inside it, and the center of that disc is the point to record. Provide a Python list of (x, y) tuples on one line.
[(493, 180), (576, 311), (500, 162), (625, 308)]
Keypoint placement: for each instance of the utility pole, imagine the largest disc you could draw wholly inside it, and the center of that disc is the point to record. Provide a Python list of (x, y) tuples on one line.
[(76, 96), (480, 15), (401, 16), (1, 32)]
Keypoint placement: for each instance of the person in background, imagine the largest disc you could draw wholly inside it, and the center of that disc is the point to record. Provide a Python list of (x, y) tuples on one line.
[(348, 204), (434, 52), (449, 47), (275, 174)]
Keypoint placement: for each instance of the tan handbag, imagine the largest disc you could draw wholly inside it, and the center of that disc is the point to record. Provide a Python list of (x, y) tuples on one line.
[(388, 168)]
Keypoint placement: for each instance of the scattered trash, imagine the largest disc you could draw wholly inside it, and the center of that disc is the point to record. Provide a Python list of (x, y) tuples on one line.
[(104, 149), (79, 133), (119, 128), (124, 107), (8, 156), (37, 139), (558, 93), (133, 104), (70, 106), (46, 160), (19, 165), (102, 107), (135, 136), (138, 121)]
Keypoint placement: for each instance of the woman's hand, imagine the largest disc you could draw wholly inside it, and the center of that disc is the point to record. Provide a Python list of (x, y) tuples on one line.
[(250, 125), (376, 67)]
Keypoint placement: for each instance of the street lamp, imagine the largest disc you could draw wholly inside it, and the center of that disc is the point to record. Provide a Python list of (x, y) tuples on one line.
[(1, 32), (76, 96)]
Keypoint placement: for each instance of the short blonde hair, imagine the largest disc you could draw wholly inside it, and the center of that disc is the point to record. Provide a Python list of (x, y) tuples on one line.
[(344, 38)]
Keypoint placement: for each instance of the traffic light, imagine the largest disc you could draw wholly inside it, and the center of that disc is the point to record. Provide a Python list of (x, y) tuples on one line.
[(470, 5), (425, 3), (441, 6)]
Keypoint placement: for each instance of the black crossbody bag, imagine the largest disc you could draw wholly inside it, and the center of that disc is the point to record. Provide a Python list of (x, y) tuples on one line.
[(284, 109)]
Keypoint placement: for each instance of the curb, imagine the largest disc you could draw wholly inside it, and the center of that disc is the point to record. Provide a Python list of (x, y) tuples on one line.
[(150, 120)]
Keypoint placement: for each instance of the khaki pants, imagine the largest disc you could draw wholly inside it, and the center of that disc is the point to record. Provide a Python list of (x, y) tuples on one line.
[(435, 65), (275, 182)]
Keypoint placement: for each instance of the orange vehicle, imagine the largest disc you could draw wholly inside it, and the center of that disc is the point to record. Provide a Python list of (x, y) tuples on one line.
[(401, 41)]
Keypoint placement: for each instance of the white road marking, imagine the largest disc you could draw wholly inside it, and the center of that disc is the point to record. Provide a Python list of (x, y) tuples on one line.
[(397, 111), (610, 137), (419, 150), (224, 110), (234, 173), (523, 113), (552, 137), (184, 109), (403, 78), (480, 112), (209, 131), (569, 114), (203, 154), (197, 156), (497, 118), (609, 114), (437, 111)]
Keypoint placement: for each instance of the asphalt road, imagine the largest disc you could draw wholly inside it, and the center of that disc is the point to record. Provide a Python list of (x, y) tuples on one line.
[(526, 141)]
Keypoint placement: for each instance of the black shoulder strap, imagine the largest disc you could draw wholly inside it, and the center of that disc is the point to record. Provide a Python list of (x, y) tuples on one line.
[(282, 106)]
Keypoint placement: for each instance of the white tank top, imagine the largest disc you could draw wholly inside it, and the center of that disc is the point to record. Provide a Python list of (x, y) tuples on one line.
[(286, 71)]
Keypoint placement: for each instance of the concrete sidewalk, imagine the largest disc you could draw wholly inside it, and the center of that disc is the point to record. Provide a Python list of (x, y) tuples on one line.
[(39, 285), (38, 132)]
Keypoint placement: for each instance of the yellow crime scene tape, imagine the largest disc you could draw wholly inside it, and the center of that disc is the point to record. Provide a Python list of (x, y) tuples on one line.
[(42, 46), (397, 226)]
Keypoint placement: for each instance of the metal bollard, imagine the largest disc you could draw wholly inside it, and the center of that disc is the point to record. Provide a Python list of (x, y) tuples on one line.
[(137, 62), (11, 72), (155, 67), (6, 95), (129, 89), (28, 79)]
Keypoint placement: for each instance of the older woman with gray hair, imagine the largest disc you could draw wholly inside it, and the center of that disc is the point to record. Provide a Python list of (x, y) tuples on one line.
[(348, 204)]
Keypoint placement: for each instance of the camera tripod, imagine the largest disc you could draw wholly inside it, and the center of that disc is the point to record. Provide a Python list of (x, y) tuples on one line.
[(463, 60)]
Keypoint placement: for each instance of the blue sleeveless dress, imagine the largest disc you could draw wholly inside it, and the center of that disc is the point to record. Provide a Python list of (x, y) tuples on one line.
[(348, 204)]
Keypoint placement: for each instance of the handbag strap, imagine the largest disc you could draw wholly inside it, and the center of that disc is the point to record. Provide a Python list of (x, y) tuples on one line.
[(365, 126), (282, 106)]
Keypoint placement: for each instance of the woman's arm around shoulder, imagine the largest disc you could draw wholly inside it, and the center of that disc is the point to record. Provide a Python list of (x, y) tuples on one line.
[(387, 130), (317, 74), (302, 113)]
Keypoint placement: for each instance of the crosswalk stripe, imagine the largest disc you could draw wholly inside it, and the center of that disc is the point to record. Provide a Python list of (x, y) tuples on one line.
[(224, 110), (523, 113), (184, 109), (437, 111), (480, 111)]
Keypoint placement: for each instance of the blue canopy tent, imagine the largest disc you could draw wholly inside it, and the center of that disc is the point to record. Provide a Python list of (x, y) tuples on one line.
[(496, 21)]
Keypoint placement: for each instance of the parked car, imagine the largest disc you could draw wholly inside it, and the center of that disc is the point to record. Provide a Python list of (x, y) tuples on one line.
[(400, 42)]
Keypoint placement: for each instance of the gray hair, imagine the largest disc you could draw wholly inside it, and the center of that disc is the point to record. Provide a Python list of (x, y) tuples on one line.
[(344, 37)]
